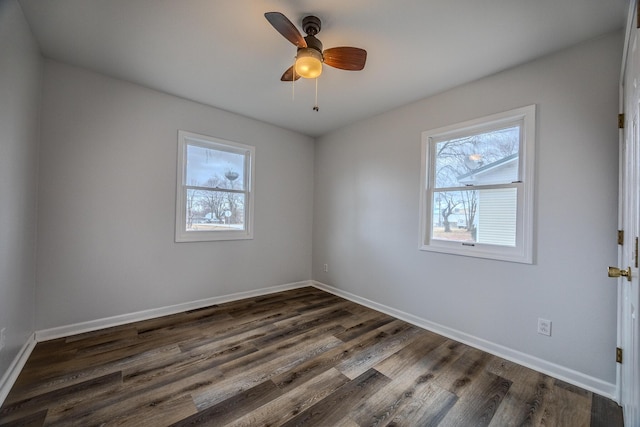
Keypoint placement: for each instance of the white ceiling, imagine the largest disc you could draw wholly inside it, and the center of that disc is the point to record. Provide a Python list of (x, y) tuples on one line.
[(225, 54)]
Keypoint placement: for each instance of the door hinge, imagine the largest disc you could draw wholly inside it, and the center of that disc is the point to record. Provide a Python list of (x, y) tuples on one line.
[(636, 253), (618, 355), (621, 121), (621, 237)]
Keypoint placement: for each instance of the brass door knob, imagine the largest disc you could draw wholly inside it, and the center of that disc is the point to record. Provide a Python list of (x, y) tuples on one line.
[(616, 272)]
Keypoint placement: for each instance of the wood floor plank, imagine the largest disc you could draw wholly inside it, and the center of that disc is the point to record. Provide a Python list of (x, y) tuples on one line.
[(87, 389), (393, 336), (100, 342), (35, 419), (423, 406), (155, 414), (359, 317), (405, 361), (362, 327), (245, 374), (233, 331), (489, 390), (464, 370), (233, 407), (127, 401), (265, 304), (325, 321), (400, 399), (299, 357), (184, 364), (107, 334), (131, 352), (346, 422), (329, 359), (331, 409), (329, 303), (190, 325), (293, 402), (426, 408), (46, 383), (298, 349), (567, 405), (411, 385), (524, 403), (605, 412)]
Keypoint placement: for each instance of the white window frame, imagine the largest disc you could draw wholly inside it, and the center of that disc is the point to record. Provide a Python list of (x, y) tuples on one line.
[(522, 252), (189, 138)]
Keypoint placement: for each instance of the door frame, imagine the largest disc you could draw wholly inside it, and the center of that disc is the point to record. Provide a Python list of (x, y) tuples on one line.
[(628, 216)]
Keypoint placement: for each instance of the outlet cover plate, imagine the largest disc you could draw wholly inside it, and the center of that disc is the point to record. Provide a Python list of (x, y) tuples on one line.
[(544, 327)]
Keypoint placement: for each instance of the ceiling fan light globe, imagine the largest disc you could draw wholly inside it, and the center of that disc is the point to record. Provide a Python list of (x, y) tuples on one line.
[(308, 63)]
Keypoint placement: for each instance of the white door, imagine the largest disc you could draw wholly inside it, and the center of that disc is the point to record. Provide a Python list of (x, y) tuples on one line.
[(628, 293)]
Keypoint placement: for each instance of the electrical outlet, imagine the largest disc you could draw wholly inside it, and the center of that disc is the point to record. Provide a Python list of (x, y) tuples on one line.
[(325, 268), (544, 327), (2, 338)]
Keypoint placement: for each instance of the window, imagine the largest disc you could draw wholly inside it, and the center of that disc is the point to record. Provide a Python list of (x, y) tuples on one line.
[(214, 199), (477, 187)]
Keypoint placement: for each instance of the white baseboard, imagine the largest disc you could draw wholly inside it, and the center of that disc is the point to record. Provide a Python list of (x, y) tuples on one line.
[(9, 378), (108, 322), (568, 375)]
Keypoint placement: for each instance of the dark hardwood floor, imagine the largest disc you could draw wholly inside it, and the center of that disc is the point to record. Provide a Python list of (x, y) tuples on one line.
[(301, 357)]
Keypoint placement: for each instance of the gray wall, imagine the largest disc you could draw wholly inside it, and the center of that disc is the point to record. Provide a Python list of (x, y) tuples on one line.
[(107, 202), (366, 213), (20, 83)]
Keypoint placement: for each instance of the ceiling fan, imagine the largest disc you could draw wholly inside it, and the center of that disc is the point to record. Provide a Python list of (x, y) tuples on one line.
[(310, 56)]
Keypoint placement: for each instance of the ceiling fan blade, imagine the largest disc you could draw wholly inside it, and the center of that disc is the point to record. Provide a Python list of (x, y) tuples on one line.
[(345, 58), (289, 75), (285, 27)]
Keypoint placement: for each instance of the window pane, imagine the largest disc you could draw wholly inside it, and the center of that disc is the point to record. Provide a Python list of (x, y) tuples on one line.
[(486, 216), (480, 159), (214, 210), (497, 216), (207, 167), (454, 215)]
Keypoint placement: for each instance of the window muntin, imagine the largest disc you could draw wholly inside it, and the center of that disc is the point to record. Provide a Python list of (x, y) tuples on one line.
[(477, 191), (214, 189)]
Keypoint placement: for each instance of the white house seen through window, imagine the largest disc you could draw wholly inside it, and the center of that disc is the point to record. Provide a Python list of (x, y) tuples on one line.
[(477, 192), (214, 189)]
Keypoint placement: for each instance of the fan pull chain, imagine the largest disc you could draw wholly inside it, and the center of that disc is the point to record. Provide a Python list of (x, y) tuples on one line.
[(293, 83), (316, 108)]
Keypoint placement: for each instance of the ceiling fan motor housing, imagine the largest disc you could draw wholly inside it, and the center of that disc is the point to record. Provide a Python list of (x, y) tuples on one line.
[(311, 25)]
